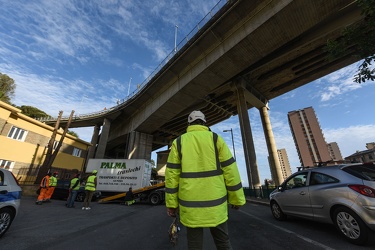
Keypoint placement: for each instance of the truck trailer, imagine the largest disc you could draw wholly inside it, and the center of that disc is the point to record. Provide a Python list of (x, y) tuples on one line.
[(116, 176)]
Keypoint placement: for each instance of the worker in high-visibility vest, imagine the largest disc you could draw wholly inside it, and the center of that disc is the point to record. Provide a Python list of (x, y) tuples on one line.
[(52, 186), (43, 187), (73, 191), (90, 188), (129, 197), (201, 179)]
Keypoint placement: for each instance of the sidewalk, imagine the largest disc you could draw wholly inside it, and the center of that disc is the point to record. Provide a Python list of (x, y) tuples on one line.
[(260, 201)]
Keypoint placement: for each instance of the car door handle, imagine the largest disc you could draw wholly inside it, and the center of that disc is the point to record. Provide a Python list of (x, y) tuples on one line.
[(302, 193)]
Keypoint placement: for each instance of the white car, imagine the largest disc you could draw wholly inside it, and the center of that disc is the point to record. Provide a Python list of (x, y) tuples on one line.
[(10, 199)]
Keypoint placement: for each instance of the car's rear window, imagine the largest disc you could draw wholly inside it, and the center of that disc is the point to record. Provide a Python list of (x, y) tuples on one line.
[(364, 171)]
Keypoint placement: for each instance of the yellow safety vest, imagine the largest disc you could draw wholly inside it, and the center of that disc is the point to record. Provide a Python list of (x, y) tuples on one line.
[(73, 182), (90, 184), (201, 178), (52, 181)]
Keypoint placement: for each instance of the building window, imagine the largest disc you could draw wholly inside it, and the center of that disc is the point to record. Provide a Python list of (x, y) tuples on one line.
[(17, 133), (77, 152), (6, 164)]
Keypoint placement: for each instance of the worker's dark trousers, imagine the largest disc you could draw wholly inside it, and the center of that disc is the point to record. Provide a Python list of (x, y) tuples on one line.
[(219, 233)]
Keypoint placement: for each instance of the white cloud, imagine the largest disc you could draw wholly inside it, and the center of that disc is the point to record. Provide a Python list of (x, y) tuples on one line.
[(340, 82), (352, 138)]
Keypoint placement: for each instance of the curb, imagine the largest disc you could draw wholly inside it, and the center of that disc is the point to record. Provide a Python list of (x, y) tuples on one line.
[(259, 201)]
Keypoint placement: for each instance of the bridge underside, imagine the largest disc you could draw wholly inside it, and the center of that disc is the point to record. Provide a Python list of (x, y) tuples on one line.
[(271, 46), (281, 52)]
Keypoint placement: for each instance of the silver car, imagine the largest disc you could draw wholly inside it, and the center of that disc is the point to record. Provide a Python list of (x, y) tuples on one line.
[(342, 194), (10, 199)]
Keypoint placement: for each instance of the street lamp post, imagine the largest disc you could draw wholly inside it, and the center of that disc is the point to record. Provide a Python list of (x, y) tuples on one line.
[(175, 38), (129, 87), (231, 131)]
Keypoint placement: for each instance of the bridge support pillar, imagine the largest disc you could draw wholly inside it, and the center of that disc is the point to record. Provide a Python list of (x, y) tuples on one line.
[(247, 140), (139, 146), (248, 95), (94, 141), (100, 151), (271, 146)]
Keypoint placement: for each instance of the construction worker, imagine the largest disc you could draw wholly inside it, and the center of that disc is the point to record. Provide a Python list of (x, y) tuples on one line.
[(73, 191), (44, 185), (52, 186), (201, 179), (129, 197), (90, 188)]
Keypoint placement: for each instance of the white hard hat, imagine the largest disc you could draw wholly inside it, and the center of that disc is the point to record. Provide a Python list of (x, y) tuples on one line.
[(196, 115)]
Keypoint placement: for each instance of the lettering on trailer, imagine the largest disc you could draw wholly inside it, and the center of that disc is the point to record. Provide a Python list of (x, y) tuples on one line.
[(120, 165), (129, 170)]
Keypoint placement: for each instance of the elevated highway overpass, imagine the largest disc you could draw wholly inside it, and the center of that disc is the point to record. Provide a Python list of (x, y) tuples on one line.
[(248, 53)]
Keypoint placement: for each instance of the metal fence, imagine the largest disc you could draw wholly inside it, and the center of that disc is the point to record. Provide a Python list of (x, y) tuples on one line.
[(261, 192)]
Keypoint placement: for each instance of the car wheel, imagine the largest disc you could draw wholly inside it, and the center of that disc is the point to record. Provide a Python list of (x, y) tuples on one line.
[(351, 226), (6, 218), (154, 199), (277, 212), (80, 197)]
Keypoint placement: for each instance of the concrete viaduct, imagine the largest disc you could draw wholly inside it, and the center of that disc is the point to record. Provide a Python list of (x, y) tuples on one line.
[(246, 54)]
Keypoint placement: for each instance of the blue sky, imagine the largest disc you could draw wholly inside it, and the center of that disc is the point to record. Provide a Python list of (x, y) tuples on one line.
[(85, 55)]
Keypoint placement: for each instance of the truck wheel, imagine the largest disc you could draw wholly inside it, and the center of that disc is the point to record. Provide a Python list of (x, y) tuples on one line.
[(154, 199), (80, 197)]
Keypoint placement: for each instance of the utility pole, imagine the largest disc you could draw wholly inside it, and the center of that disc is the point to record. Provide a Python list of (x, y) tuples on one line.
[(45, 167), (53, 156)]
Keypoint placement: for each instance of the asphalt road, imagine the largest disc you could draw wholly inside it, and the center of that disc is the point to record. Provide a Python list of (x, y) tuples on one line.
[(142, 226)]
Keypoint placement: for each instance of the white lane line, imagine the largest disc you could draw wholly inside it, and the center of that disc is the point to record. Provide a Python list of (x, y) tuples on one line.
[(290, 232)]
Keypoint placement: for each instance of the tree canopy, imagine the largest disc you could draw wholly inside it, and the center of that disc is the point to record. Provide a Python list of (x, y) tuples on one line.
[(362, 37), (73, 133), (7, 87), (33, 112)]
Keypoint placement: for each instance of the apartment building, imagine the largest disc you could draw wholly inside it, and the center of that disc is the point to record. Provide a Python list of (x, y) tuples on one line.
[(334, 152), (308, 137), (284, 163), (23, 146), (367, 155)]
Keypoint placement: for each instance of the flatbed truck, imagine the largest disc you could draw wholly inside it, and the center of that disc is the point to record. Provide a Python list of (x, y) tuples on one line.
[(154, 194)]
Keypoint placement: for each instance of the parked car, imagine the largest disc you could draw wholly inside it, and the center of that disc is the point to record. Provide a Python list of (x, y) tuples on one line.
[(10, 199), (343, 195), (62, 192)]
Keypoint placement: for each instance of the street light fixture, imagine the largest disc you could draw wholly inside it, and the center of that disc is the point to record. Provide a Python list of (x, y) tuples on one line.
[(231, 131)]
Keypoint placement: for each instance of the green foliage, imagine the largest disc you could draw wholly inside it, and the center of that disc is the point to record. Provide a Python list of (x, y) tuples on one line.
[(33, 112), (152, 162), (360, 37), (7, 87), (73, 133)]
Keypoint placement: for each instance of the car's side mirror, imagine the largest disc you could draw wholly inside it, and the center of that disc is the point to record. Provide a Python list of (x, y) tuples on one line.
[(280, 188)]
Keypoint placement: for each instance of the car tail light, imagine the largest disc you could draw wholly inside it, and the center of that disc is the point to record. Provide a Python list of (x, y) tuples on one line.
[(364, 190)]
